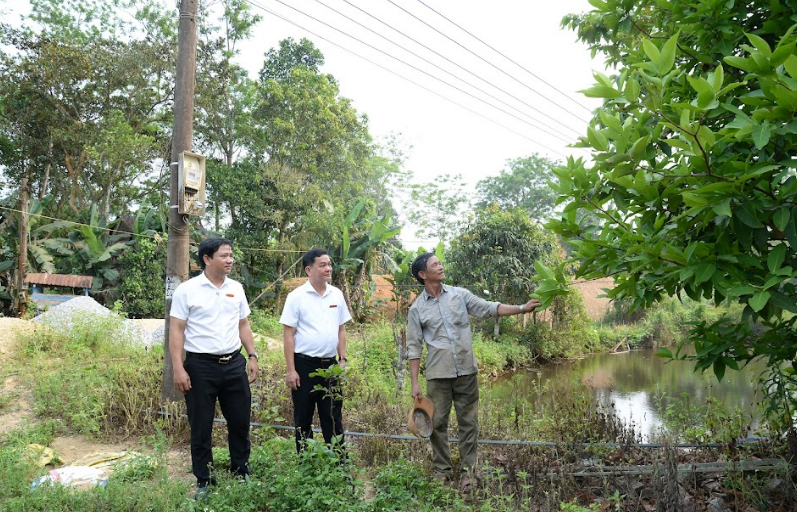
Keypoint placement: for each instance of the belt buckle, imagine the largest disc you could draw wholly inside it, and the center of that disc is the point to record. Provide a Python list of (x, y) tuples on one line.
[(225, 359)]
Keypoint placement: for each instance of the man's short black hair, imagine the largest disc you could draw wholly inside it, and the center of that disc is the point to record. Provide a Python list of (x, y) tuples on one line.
[(210, 247), (309, 257), (419, 265)]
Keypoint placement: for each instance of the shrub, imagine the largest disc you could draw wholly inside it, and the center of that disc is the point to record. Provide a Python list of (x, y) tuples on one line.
[(570, 333), (624, 336), (403, 485), (141, 284)]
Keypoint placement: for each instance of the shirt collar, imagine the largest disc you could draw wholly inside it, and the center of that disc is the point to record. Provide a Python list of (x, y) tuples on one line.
[(429, 297), (308, 288), (205, 281)]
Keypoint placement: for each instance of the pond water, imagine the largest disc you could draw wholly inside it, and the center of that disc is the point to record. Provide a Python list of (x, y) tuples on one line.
[(638, 386)]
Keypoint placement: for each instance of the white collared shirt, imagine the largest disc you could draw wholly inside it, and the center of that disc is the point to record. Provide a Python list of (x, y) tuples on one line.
[(211, 314), (316, 319)]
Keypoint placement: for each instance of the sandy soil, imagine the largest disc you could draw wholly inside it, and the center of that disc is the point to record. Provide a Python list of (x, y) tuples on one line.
[(150, 324), (74, 448), (596, 306)]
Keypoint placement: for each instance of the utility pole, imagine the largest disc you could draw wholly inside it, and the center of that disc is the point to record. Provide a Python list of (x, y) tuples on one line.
[(22, 301), (182, 134)]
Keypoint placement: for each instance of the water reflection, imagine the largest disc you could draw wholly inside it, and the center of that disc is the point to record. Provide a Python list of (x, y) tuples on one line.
[(637, 386)]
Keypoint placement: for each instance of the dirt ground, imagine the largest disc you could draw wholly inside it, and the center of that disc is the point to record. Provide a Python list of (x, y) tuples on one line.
[(149, 324), (596, 306), (74, 448), (17, 410)]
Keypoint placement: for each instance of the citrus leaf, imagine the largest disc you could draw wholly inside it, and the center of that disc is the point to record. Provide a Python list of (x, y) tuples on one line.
[(759, 300)]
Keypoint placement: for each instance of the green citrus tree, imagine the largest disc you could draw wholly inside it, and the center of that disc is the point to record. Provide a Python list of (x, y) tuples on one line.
[(692, 172)]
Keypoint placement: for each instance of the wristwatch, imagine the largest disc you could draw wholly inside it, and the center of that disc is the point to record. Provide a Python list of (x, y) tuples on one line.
[(253, 354)]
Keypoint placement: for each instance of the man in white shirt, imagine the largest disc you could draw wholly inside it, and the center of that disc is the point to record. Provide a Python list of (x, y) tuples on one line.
[(314, 336), (209, 319)]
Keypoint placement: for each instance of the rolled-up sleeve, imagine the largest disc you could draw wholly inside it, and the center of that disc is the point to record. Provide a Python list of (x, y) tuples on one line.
[(478, 307)]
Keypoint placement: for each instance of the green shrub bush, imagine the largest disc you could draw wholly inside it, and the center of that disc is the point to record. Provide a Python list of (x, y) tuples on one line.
[(143, 268), (570, 333), (402, 485)]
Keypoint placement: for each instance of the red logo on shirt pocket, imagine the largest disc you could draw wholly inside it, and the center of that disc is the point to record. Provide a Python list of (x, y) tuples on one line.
[(333, 306), (230, 295)]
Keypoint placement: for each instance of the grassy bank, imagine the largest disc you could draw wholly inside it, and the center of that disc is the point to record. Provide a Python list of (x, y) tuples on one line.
[(81, 383)]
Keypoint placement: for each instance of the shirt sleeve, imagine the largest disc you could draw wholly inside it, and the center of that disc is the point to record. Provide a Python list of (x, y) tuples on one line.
[(478, 307), (179, 307), (290, 315), (414, 335), (344, 315), (245, 310)]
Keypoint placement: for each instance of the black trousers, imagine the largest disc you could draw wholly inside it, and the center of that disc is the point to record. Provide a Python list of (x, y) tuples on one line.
[(306, 399), (229, 384)]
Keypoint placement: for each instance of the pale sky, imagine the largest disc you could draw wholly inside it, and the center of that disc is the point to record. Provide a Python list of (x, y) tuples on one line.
[(444, 136)]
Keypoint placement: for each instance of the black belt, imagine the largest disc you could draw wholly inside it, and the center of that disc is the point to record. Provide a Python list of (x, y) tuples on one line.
[(222, 359), (304, 357)]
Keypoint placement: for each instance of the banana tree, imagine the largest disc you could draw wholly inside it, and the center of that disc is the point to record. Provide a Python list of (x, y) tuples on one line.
[(43, 247), (94, 249), (363, 244)]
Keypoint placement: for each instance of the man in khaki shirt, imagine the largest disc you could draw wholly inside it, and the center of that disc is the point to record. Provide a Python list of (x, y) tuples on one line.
[(439, 317)]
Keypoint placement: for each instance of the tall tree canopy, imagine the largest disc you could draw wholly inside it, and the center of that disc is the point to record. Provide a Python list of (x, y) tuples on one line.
[(86, 116), (438, 207), (497, 251), (225, 100), (83, 111), (693, 170), (308, 159), (524, 184)]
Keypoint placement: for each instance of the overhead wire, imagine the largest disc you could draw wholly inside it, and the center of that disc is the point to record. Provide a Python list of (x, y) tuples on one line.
[(387, 54), (447, 60), (486, 61), (565, 95), (254, 3)]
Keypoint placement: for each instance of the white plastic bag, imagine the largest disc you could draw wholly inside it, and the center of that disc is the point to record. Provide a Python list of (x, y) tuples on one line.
[(74, 476)]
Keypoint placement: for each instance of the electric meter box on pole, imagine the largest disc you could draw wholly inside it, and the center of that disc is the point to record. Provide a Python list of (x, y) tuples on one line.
[(191, 193)]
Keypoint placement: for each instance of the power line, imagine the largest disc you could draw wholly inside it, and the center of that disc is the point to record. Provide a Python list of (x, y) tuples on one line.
[(513, 62), (442, 57), (255, 4), (487, 62), (530, 123)]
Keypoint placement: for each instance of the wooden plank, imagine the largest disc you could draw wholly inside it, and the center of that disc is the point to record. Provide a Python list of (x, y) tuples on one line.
[(63, 280)]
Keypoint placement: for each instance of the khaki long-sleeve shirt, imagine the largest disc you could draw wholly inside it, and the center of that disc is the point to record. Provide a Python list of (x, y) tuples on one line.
[(443, 323)]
